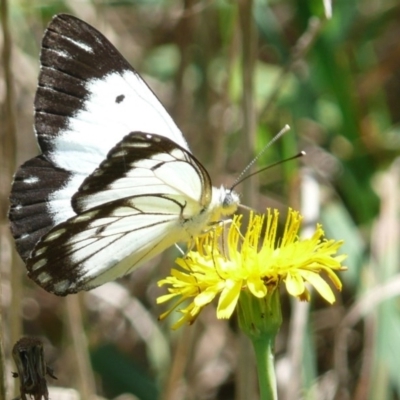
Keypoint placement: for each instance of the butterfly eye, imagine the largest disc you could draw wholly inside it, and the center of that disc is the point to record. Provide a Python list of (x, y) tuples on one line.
[(230, 201)]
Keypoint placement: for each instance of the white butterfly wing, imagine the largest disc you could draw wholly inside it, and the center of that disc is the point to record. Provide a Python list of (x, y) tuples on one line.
[(104, 243)]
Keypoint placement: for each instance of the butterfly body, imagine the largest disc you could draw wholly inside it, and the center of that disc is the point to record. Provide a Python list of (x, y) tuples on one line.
[(116, 183)]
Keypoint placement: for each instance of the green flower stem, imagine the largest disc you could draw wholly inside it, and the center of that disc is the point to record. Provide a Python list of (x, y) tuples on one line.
[(265, 368), (260, 319)]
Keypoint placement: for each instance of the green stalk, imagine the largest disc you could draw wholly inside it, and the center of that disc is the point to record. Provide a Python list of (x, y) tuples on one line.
[(265, 368), (260, 319)]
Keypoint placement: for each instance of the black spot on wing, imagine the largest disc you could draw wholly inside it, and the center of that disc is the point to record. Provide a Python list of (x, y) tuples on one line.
[(29, 216), (120, 98), (73, 53)]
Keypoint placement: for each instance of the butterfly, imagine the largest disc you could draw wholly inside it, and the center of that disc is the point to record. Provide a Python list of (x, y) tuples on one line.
[(115, 183)]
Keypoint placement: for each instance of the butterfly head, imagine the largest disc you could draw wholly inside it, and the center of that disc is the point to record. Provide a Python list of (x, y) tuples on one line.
[(229, 201)]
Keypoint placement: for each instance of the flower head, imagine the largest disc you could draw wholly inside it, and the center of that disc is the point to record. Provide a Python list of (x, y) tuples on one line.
[(256, 262)]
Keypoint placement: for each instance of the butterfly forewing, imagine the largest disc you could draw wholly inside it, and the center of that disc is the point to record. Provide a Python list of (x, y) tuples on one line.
[(30, 219), (85, 85), (88, 99)]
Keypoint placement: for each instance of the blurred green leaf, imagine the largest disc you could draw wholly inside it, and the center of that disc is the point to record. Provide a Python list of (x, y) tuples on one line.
[(120, 374)]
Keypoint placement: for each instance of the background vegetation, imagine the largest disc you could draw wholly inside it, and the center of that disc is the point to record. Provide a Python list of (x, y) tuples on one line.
[(232, 74)]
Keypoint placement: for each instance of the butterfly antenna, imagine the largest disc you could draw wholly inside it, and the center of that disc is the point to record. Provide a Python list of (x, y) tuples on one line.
[(240, 178), (298, 155)]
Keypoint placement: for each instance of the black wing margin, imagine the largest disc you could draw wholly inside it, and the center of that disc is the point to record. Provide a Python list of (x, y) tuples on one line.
[(73, 53), (29, 216)]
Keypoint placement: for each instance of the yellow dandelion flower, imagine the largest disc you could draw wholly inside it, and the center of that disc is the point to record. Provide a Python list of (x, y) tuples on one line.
[(257, 263)]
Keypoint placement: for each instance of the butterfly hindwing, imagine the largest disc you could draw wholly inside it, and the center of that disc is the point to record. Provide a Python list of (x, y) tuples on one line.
[(109, 238), (146, 163), (105, 243)]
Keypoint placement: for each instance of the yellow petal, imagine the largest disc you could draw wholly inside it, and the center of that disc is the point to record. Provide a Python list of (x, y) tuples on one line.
[(228, 299), (320, 285), (206, 297), (257, 287), (294, 284)]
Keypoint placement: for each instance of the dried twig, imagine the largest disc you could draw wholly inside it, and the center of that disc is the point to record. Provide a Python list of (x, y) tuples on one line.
[(84, 372), (7, 167)]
